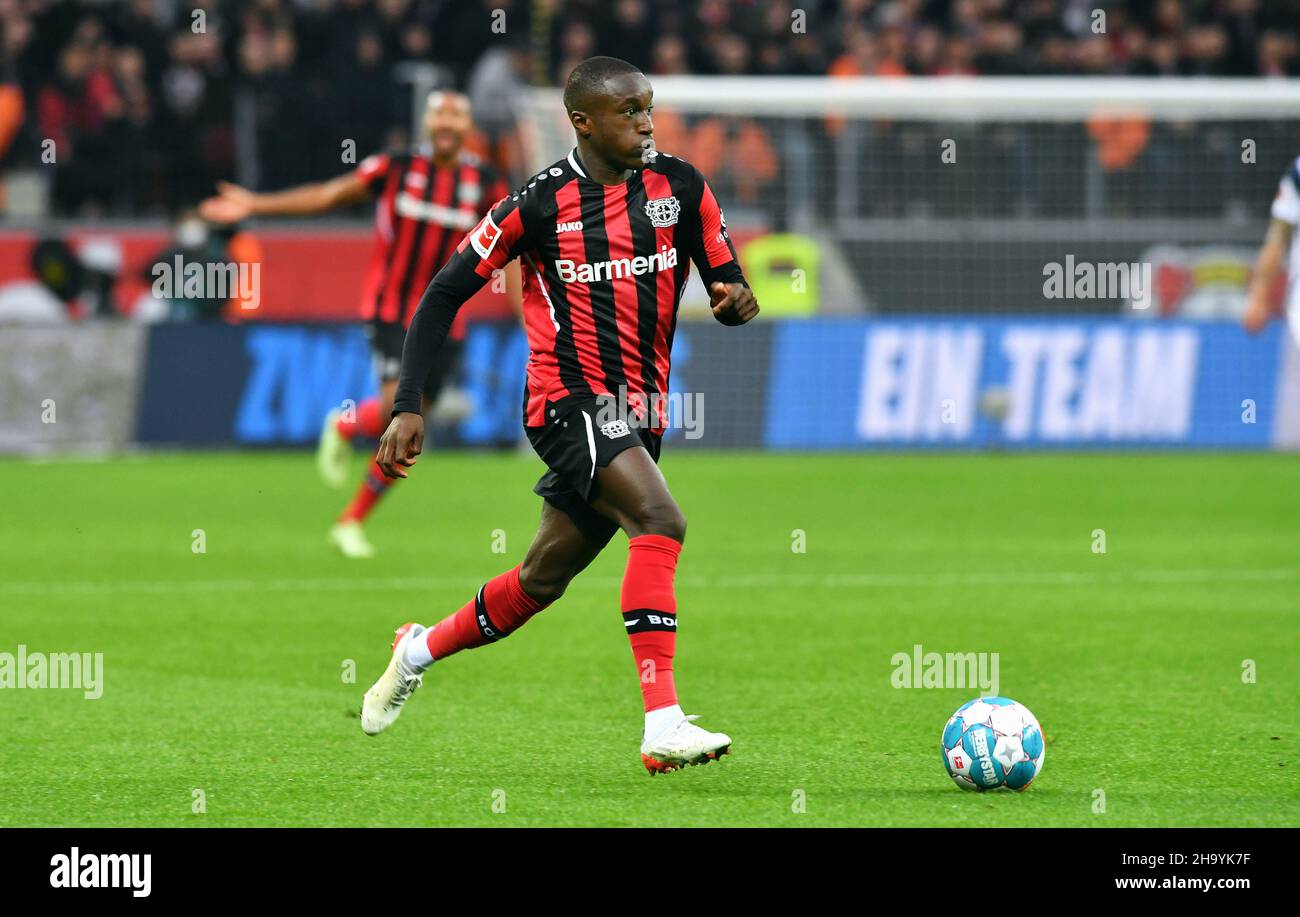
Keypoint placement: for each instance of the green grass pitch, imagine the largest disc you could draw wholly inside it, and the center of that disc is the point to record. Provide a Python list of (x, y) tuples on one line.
[(225, 671)]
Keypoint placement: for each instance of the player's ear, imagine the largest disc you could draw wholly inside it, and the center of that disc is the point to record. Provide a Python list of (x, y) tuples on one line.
[(581, 123)]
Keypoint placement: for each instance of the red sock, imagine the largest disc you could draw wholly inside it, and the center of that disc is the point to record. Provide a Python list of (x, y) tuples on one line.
[(500, 608), (650, 615), (366, 421), (372, 488)]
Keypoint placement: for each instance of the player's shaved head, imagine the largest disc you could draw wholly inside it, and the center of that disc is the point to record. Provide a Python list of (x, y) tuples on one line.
[(440, 98), (609, 103), (588, 80)]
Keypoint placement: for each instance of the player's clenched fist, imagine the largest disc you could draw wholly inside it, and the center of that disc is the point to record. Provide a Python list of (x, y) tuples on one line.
[(400, 444), (733, 303)]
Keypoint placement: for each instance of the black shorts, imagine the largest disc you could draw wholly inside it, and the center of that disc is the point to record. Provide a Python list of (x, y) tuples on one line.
[(386, 342), (574, 443)]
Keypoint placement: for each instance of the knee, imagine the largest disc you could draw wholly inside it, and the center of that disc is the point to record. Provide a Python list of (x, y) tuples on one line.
[(542, 586), (659, 517)]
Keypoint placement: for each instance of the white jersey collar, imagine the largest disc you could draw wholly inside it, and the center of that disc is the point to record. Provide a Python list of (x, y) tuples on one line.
[(573, 161)]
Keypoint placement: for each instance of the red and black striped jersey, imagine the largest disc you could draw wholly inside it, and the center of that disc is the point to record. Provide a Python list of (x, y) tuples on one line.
[(421, 216), (604, 267)]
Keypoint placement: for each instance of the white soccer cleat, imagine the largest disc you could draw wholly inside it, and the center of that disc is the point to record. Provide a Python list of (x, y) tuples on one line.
[(383, 703), (350, 538), (683, 743), (333, 452)]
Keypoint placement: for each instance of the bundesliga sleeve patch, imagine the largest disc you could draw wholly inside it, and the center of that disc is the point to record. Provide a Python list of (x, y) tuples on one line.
[(485, 236)]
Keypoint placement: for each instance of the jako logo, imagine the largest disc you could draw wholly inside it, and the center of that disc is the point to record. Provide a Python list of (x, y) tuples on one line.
[(575, 226), (572, 272), (103, 870)]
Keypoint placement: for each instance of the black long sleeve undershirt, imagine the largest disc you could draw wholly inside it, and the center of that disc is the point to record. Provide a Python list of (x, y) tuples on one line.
[(449, 290), (727, 273)]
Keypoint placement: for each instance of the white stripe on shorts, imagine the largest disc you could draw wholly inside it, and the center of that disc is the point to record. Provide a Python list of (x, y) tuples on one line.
[(591, 445)]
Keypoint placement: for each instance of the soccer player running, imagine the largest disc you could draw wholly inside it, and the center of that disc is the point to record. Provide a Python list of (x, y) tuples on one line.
[(605, 236), (1279, 248), (428, 199)]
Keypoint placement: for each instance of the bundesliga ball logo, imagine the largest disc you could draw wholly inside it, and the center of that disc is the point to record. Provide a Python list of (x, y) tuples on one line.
[(991, 743)]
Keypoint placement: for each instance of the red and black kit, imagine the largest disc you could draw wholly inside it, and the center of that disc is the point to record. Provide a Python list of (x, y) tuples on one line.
[(604, 267), (422, 214)]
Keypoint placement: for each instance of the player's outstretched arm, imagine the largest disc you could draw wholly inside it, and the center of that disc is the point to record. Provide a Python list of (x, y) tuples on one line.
[(232, 203), (1259, 302), (733, 303)]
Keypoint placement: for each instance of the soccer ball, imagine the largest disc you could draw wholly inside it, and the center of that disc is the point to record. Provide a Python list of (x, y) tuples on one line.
[(991, 743)]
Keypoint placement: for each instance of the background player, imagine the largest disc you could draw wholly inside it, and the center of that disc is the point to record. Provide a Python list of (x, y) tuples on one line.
[(606, 235), (1279, 249), (428, 199)]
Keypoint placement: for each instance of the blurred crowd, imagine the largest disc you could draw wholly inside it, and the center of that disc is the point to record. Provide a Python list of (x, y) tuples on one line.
[(148, 102)]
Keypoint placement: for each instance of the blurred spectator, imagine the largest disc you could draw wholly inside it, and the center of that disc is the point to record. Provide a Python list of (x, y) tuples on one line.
[(199, 247), (1276, 54), (75, 110), (67, 284), (670, 56), (494, 92), (958, 58), (148, 101), (50, 296), (629, 33)]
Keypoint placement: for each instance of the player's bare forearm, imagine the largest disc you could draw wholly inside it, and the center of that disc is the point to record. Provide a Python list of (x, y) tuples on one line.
[(307, 200), (732, 303), (232, 203), (1259, 301), (1273, 251)]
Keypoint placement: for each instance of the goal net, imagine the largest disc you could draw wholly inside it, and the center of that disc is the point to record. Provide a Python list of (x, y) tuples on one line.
[(960, 201)]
